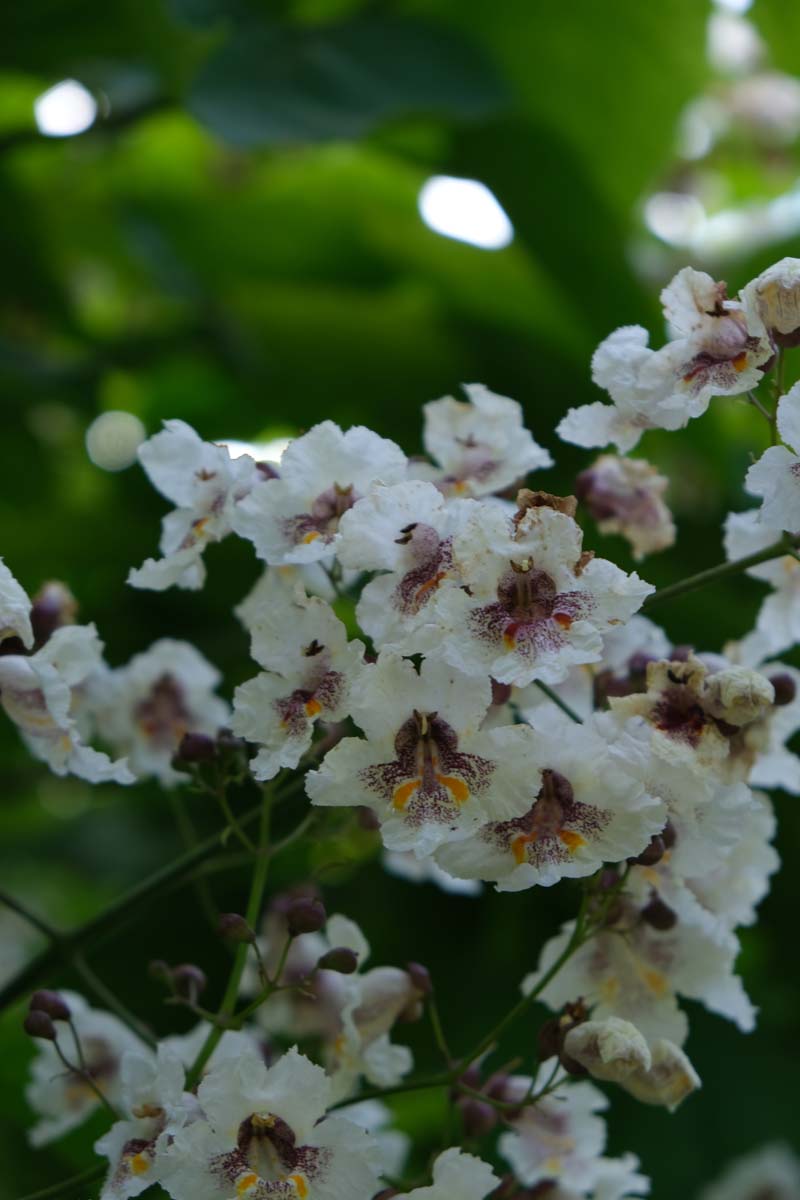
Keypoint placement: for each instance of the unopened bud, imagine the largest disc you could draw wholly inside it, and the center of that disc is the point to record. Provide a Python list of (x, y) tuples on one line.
[(340, 959), (51, 1003), (305, 915), (652, 853), (196, 747), (659, 915), (53, 606), (233, 928), (479, 1117), (638, 662), (189, 980), (37, 1024), (420, 978), (785, 688)]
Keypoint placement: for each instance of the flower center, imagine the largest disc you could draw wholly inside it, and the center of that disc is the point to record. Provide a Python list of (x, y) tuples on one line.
[(163, 716)]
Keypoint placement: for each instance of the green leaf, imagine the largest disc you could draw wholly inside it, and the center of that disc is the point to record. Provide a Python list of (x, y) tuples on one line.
[(279, 85)]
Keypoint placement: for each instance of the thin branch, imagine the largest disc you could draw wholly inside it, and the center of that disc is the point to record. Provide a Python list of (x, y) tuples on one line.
[(722, 571), (112, 1001), (562, 704), (37, 922), (66, 1186)]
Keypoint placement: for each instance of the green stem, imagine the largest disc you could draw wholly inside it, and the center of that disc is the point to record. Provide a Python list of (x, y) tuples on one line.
[(112, 1001), (438, 1030), (228, 1006), (444, 1079), (562, 704), (82, 1179), (188, 833), (38, 923), (722, 571)]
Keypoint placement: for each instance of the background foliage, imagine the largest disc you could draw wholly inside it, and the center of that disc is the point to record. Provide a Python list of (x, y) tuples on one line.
[(237, 243)]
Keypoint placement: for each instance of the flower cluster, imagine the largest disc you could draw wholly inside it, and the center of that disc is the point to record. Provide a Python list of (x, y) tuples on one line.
[(438, 655)]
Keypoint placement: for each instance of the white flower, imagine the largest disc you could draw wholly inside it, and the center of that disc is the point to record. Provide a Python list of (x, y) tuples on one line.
[(15, 609), (152, 1095), (560, 1138), (587, 809), (635, 972), (406, 530), (706, 720), (458, 1176), (43, 694), (205, 484), (482, 446), (778, 622), (771, 1172), (625, 495), (311, 670), (61, 1099), (265, 1134), (776, 475), (718, 351), (776, 766), (144, 708), (376, 1118), (295, 518), (536, 605), (424, 766), (616, 1051), (773, 298)]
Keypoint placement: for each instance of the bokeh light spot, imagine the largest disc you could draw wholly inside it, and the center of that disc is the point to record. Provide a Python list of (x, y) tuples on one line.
[(112, 440)]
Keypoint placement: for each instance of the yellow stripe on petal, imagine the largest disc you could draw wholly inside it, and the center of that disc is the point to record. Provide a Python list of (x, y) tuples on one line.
[(312, 707), (455, 786), (573, 841), (139, 1163), (404, 793), (311, 537), (301, 1187), (245, 1182)]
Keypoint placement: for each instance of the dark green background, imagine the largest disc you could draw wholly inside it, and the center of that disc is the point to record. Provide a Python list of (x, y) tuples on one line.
[(237, 244)]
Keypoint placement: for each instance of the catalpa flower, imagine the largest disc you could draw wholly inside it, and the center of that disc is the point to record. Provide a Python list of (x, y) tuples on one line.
[(425, 767), (625, 495), (773, 298), (44, 694), (588, 809), (636, 971), (615, 1051), (144, 708), (707, 720), (156, 1105), (482, 446), (15, 609), (205, 484), (407, 531), (295, 518), (62, 1099), (264, 1134), (776, 475), (534, 604), (778, 622), (311, 669), (458, 1176), (772, 1172), (559, 1139), (718, 351)]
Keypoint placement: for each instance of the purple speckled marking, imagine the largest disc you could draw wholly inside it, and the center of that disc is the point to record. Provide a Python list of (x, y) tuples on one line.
[(428, 756), (433, 560), (323, 519), (536, 836), (529, 616), (162, 715)]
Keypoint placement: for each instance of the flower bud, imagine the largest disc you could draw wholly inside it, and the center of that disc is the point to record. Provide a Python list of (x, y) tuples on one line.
[(51, 1003), (188, 980), (420, 978), (233, 928), (479, 1117), (196, 747), (53, 606), (652, 853), (785, 688), (659, 915), (341, 959), (38, 1024), (305, 915)]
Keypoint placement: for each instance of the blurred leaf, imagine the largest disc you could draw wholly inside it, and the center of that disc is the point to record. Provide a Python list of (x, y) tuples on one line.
[(283, 85)]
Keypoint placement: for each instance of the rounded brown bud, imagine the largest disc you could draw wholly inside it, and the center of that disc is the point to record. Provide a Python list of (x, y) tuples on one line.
[(681, 653), (38, 1024), (420, 978), (572, 1066), (659, 915), (341, 959), (479, 1117), (305, 915), (51, 1003), (196, 747), (188, 980), (234, 928), (652, 853), (638, 662), (784, 687)]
